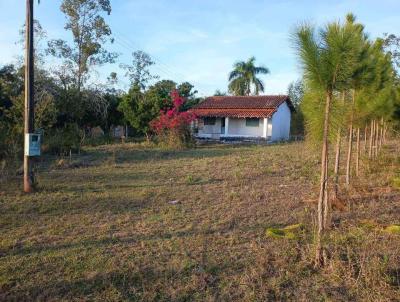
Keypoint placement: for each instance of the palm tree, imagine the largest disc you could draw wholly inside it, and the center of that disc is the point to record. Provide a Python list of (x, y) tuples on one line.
[(244, 76), (327, 62)]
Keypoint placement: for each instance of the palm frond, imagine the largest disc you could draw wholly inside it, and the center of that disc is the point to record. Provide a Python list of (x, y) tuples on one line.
[(261, 70)]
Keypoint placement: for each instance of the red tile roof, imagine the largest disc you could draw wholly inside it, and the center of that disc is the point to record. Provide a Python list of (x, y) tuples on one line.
[(238, 113), (241, 106)]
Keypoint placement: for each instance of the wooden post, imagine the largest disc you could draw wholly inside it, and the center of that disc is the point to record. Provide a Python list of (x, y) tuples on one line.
[(29, 178)]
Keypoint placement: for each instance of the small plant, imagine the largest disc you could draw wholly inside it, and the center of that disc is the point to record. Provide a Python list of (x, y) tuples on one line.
[(396, 182), (393, 229), (289, 232), (191, 180)]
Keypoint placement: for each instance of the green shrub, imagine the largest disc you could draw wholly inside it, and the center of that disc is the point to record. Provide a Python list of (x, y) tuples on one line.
[(393, 229), (176, 140), (289, 232), (102, 140), (61, 141), (396, 182)]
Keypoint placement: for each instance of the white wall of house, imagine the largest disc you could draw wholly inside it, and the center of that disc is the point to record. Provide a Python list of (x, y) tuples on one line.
[(237, 127), (281, 123), (277, 128), (210, 131)]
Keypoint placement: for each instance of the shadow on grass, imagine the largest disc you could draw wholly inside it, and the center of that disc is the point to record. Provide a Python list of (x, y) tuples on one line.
[(111, 240), (103, 242), (104, 187), (116, 286), (128, 156)]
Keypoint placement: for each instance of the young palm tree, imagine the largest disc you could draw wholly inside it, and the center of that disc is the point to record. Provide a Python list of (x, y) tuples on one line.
[(244, 76), (327, 61)]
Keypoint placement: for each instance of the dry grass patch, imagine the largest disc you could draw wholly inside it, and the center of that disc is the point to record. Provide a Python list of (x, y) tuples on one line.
[(136, 223)]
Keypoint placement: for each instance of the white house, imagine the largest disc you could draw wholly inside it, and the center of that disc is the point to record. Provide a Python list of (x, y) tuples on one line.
[(259, 117)]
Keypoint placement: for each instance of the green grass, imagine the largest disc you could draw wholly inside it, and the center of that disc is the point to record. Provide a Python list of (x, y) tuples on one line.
[(106, 227)]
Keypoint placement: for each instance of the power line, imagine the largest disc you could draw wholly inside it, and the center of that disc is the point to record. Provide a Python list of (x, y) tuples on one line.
[(162, 70), (159, 61)]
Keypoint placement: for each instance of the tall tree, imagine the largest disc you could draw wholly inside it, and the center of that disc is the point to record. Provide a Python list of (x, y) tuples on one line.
[(90, 33), (139, 73), (391, 44), (360, 77), (327, 61), (244, 77), (296, 94)]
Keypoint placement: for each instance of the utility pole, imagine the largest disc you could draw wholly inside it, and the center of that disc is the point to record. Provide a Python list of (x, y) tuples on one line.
[(29, 179)]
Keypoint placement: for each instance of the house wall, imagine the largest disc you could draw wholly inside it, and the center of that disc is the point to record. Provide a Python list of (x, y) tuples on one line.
[(278, 128), (237, 127), (210, 131), (281, 123)]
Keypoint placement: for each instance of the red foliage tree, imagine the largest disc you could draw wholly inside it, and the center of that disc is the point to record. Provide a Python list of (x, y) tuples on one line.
[(173, 124)]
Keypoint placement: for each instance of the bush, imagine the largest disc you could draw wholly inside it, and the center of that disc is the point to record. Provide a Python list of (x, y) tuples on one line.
[(62, 140), (172, 127)]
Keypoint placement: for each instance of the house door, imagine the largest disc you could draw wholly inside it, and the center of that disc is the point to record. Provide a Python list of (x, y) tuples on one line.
[(222, 125)]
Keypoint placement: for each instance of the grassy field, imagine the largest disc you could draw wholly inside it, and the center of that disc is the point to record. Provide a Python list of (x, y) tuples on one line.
[(133, 223)]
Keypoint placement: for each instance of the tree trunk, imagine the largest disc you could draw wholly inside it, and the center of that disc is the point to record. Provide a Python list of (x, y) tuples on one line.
[(337, 157), (358, 153), (365, 139), (350, 143), (337, 163), (384, 132), (371, 139), (381, 136), (349, 151), (376, 139), (327, 201), (323, 212)]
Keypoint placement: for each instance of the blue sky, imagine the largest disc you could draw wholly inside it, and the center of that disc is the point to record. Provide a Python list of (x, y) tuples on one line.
[(199, 40)]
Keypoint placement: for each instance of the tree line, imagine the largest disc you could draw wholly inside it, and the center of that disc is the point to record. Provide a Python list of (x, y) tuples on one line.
[(350, 92), (68, 101)]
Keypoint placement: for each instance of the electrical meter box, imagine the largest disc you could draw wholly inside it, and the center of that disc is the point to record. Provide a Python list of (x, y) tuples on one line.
[(32, 144)]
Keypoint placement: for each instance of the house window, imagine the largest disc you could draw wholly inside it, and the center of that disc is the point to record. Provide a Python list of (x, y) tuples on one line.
[(209, 121), (252, 122)]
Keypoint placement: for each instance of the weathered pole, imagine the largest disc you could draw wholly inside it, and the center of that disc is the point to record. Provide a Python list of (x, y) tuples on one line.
[(29, 179)]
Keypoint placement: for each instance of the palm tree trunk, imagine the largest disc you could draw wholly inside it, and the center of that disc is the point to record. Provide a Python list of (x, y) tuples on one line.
[(358, 153), (323, 212), (371, 138)]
